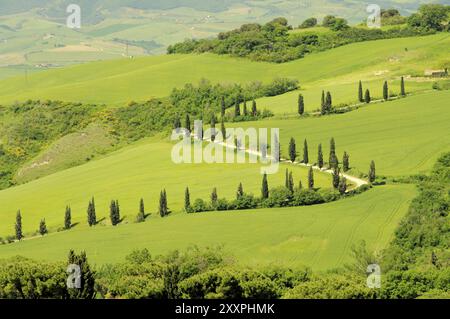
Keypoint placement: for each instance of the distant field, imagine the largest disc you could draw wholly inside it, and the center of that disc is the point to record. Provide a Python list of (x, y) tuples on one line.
[(122, 80), (318, 236), (141, 170), (404, 137)]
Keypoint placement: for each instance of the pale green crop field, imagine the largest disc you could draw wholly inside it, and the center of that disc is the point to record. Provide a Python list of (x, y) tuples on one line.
[(119, 81), (403, 137), (141, 170), (317, 236)]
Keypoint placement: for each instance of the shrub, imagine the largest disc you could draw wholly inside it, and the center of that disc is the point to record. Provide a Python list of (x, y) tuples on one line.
[(278, 197), (305, 197), (329, 195)]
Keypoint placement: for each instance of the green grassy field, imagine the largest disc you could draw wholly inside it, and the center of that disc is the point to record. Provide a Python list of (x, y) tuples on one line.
[(403, 137), (318, 236), (142, 78), (141, 170)]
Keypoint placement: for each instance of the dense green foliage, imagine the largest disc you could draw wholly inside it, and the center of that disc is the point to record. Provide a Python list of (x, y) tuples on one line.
[(273, 42)]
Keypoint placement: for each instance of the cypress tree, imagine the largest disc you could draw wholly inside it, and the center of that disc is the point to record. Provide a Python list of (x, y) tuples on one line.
[(213, 128), (320, 157), (300, 186), (254, 110), (177, 123), (305, 152), (68, 218), (367, 96), (332, 161), (265, 187), (187, 200), (372, 173), (291, 182), (18, 226), (336, 177), (360, 92), (42, 227), (328, 103), (342, 185), (222, 106), (187, 123), (240, 191), (402, 87), (292, 150), (214, 197), (237, 109), (301, 104), (163, 209), (385, 91), (346, 162), (223, 130), (141, 215), (92, 218), (245, 108), (113, 213), (277, 150), (310, 178)]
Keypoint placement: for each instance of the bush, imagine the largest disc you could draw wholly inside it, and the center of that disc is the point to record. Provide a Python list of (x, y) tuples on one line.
[(329, 195), (278, 197), (200, 205), (306, 197)]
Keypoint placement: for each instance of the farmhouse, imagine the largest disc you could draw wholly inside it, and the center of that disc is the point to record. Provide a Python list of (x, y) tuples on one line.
[(436, 73)]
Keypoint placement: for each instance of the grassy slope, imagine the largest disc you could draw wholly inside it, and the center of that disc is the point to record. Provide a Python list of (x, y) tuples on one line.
[(141, 170), (119, 81), (319, 236), (403, 137)]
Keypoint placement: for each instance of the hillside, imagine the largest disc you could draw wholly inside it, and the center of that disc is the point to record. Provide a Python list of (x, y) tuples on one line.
[(142, 78)]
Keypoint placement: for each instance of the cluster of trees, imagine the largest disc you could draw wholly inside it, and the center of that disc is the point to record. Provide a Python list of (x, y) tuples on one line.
[(274, 43), (206, 99), (367, 98), (433, 17)]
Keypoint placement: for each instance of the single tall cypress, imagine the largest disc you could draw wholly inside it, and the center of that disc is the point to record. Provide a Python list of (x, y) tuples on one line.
[(332, 161), (367, 97), (254, 109), (223, 130), (237, 109), (305, 152), (114, 213), (86, 284), (402, 87), (214, 197), (320, 156), (372, 172), (187, 200), (328, 103), (286, 179), (360, 92), (18, 226), (323, 108), (240, 191), (292, 150), (163, 209), (222, 106), (385, 91), (291, 182), (301, 104), (92, 218), (43, 228), (336, 177), (68, 218), (346, 162), (310, 178), (141, 215), (245, 108), (265, 187), (187, 123)]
